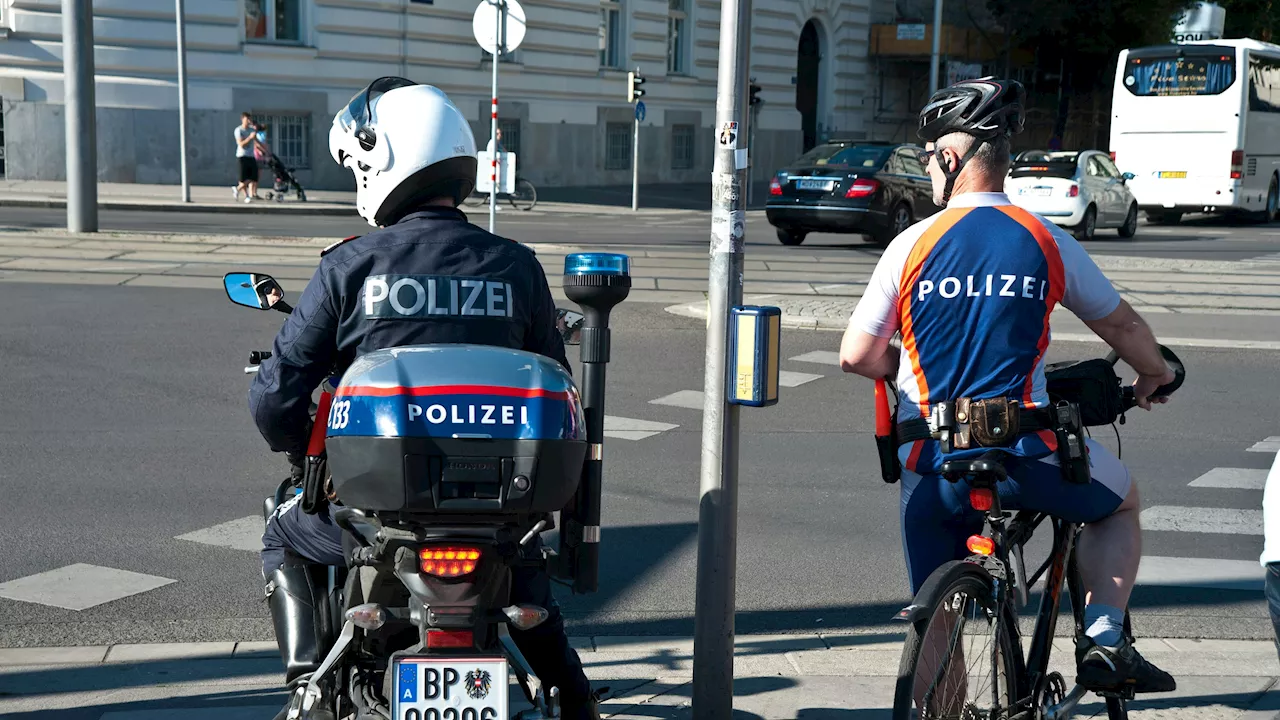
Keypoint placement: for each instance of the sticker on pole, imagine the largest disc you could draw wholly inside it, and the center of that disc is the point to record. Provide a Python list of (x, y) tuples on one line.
[(640, 111), (729, 134), (496, 19)]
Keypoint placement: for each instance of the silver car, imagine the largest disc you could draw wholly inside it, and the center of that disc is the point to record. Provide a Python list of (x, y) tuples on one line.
[(1082, 191)]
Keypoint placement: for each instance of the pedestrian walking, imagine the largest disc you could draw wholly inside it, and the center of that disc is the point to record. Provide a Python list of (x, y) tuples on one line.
[(246, 136)]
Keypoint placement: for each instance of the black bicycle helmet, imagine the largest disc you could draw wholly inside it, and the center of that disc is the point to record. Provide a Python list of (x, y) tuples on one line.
[(986, 109)]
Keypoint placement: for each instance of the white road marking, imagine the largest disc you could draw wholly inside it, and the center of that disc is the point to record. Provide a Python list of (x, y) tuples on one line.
[(1210, 573), (787, 378), (1270, 445), (1182, 342), (234, 712), (1225, 521), (1235, 478), (691, 399), (633, 429), (241, 534), (819, 357), (80, 586)]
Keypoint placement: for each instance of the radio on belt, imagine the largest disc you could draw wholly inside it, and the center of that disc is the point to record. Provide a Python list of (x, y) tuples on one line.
[(755, 345)]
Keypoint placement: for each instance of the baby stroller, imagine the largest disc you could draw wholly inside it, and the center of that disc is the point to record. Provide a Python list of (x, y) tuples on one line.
[(284, 180)]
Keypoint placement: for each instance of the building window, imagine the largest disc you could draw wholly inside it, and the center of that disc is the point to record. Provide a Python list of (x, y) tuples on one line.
[(682, 147), (617, 150), (510, 136), (289, 137), (677, 20), (273, 20), (610, 34)]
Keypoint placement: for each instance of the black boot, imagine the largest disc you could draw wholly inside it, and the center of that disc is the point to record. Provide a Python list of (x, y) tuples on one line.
[(296, 594)]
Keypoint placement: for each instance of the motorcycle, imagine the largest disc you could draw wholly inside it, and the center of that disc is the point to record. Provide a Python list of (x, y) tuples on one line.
[(449, 461)]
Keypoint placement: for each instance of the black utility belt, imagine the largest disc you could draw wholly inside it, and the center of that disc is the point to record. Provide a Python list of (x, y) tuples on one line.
[(966, 423)]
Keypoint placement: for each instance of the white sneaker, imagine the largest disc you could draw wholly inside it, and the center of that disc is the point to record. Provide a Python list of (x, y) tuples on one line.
[(248, 199), (235, 192)]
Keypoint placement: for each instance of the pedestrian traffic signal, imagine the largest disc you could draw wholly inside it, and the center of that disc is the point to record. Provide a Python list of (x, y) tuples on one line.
[(754, 94), (634, 91)]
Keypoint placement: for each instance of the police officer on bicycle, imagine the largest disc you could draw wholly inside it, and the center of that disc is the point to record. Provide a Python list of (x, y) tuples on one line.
[(413, 156), (971, 290)]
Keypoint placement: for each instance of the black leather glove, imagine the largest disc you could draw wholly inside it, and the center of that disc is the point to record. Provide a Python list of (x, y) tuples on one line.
[(297, 468)]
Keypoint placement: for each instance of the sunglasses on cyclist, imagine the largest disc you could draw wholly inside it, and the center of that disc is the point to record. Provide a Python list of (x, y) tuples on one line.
[(925, 155)]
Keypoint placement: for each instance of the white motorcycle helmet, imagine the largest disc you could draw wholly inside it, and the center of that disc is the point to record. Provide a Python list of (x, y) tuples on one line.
[(405, 143)]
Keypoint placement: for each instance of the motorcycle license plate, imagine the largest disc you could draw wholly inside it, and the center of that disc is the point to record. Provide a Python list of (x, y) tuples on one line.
[(811, 184), (450, 689)]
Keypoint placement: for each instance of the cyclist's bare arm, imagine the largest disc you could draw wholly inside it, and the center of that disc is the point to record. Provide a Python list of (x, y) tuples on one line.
[(1131, 337), (868, 355)]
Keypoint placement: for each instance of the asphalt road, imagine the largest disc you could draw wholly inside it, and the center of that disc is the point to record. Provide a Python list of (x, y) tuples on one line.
[(1199, 238), (125, 425)]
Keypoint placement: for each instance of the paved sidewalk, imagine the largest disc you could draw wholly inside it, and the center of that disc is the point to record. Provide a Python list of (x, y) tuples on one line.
[(800, 677), (204, 198)]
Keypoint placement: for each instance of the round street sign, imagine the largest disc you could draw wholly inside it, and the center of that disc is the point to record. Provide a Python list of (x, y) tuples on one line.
[(640, 111), (484, 25)]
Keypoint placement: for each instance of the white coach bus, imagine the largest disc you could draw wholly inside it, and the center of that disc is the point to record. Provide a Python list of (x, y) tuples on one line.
[(1198, 125)]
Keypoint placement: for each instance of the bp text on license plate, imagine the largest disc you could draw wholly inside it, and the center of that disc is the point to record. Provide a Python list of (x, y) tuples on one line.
[(450, 689)]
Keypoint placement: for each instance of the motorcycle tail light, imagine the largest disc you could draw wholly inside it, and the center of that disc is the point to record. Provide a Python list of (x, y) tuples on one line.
[(980, 545), (450, 639), (982, 499), (449, 561), (1074, 191), (862, 188)]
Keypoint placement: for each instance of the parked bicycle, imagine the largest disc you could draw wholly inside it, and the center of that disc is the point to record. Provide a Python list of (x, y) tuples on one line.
[(524, 197), (963, 656)]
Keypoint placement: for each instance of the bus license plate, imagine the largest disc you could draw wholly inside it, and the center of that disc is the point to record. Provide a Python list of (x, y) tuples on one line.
[(812, 184), (1173, 173), (450, 689)]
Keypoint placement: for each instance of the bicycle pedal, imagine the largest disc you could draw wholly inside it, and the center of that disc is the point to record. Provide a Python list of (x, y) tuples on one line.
[(1124, 693)]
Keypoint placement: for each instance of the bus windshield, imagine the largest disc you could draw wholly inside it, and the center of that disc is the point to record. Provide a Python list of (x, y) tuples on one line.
[(1204, 71)]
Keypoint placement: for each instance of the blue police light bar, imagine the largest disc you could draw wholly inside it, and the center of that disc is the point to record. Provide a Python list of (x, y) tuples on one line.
[(597, 264), (755, 350)]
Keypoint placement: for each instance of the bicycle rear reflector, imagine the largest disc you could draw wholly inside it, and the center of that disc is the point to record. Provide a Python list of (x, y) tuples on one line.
[(979, 545), (754, 342), (982, 499)]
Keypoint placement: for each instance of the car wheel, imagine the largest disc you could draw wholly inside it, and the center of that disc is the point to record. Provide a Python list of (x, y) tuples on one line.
[(1166, 217), (1088, 224), (790, 237), (1130, 226)]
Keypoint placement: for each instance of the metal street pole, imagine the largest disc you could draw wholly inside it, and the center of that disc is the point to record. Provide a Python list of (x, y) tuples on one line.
[(493, 124), (751, 142), (180, 15), (718, 501), (937, 46), (635, 159), (82, 133)]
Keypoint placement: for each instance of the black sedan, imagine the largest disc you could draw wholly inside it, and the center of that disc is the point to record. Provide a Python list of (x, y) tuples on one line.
[(875, 189)]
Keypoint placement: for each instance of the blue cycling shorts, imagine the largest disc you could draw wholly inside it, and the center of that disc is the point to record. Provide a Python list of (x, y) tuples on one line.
[(937, 518)]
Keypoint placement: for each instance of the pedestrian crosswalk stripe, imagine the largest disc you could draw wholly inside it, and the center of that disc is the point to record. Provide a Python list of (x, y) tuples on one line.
[(1225, 521), (1233, 478), (624, 428), (240, 534), (691, 399), (1206, 573), (789, 379), (819, 357), (1270, 445), (80, 586)]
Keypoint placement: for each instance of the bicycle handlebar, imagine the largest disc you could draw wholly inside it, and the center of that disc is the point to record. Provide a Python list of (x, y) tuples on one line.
[(1129, 398)]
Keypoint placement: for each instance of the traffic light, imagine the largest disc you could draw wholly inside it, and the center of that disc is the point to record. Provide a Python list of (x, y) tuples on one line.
[(754, 94), (634, 91)]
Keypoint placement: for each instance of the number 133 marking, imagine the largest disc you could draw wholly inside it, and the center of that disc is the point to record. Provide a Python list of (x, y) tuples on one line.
[(340, 415)]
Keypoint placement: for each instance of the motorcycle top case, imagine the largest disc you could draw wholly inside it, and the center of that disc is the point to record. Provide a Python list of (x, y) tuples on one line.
[(444, 429)]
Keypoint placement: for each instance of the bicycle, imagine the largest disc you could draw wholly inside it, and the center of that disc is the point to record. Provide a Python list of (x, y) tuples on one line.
[(524, 197), (987, 588)]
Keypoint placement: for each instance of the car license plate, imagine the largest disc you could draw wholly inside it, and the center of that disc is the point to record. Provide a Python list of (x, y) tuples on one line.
[(450, 689), (1036, 191), (813, 184), (1173, 173)]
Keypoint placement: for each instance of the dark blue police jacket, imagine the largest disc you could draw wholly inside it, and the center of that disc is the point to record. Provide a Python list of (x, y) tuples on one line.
[(433, 277)]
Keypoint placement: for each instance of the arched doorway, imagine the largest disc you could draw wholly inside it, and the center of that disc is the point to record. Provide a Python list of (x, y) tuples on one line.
[(809, 82)]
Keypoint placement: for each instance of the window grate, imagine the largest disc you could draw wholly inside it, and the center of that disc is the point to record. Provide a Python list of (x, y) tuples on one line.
[(510, 136), (289, 137), (617, 146), (682, 139)]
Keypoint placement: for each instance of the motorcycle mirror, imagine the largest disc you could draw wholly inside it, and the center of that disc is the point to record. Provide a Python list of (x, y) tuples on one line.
[(569, 323), (254, 290)]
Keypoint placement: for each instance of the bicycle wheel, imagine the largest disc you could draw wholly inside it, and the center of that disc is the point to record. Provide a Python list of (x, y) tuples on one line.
[(475, 200), (525, 196), (961, 658)]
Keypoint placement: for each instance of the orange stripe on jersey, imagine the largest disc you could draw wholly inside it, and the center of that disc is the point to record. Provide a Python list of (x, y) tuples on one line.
[(910, 274), (1057, 283)]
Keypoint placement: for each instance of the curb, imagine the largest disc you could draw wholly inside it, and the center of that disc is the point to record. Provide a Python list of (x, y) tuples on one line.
[(265, 207)]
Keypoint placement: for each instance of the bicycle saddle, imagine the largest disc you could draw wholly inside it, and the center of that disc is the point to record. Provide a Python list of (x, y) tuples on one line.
[(989, 464)]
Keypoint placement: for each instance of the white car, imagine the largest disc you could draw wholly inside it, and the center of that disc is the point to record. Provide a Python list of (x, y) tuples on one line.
[(1082, 191)]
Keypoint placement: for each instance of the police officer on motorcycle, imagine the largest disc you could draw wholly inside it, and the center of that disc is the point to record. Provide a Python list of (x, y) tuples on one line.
[(413, 156)]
